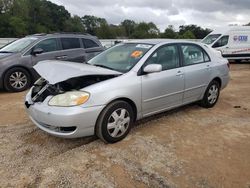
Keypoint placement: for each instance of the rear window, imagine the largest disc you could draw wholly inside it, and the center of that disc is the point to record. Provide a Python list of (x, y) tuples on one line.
[(193, 54), (70, 43), (89, 43)]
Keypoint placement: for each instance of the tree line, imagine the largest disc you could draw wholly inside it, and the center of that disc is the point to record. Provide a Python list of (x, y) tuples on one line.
[(19, 18)]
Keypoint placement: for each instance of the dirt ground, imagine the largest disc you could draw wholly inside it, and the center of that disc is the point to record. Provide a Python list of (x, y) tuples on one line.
[(187, 147)]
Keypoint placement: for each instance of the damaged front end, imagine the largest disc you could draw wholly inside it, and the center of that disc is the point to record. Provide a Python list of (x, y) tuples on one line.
[(65, 77), (42, 88)]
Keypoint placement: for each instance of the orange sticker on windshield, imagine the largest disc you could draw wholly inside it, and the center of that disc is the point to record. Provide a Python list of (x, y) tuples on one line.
[(136, 54)]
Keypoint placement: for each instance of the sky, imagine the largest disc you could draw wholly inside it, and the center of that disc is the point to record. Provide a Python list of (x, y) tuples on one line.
[(206, 13)]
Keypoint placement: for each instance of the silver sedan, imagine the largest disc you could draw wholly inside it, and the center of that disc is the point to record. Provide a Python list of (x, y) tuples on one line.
[(125, 83)]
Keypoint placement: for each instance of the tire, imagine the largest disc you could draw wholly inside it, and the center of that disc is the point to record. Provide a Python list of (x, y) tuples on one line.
[(17, 79), (238, 61), (118, 116), (211, 95)]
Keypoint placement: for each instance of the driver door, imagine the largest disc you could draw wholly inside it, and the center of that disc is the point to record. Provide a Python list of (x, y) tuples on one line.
[(222, 45), (50, 49), (163, 90)]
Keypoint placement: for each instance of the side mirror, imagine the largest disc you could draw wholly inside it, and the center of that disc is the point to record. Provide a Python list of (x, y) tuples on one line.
[(37, 51), (153, 68)]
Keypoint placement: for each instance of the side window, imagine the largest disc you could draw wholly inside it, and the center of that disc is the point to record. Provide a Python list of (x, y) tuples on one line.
[(193, 54), (223, 41), (166, 56), (89, 43), (70, 43), (48, 45)]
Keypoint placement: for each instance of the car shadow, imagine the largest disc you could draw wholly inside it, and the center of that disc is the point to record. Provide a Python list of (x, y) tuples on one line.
[(146, 120), (242, 62)]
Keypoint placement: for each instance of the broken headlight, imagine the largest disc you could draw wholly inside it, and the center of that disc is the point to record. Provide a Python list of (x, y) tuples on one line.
[(72, 98)]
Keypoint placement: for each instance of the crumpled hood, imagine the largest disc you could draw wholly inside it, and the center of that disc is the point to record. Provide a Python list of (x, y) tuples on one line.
[(58, 71)]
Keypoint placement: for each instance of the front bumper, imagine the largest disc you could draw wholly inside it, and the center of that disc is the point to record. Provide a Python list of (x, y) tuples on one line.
[(66, 122)]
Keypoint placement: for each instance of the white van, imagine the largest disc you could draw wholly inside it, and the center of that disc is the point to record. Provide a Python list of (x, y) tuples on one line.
[(232, 41)]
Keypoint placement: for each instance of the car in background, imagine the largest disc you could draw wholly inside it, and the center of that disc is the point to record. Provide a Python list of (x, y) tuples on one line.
[(232, 41), (18, 58), (123, 84)]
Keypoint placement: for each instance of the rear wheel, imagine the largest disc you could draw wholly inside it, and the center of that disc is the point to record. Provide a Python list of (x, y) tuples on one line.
[(115, 122), (211, 95), (17, 79), (238, 61)]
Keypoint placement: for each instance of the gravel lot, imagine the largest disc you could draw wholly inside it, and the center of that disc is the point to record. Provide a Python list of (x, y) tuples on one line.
[(187, 147)]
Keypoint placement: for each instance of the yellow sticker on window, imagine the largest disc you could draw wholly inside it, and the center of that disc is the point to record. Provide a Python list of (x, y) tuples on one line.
[(137, 54)]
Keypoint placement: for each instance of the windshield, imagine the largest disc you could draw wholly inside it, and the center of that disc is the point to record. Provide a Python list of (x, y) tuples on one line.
[(121, 57), (211, 38), (18, 45)]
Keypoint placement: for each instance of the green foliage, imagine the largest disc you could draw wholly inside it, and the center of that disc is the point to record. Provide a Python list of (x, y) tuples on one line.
[(187, 35), (92, 23), (197, 31), (74, 24), (22, 17), (17, 26), (146, 30), (169, 33), (129, 27)]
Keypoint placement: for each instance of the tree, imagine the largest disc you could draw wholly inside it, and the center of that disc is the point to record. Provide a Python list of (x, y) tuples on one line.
[(22, 17), (5, 5), (104, 32), (198, 32), (146, 30), (74, 24), (18, 26), (187, 35), (92, 23), (169, 33), (129, 27)]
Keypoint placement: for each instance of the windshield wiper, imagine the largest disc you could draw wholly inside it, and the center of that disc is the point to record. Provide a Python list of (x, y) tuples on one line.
[(103, 66), (6, 52)]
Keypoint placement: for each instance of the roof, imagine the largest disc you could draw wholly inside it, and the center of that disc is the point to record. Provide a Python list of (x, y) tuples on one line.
[(40, 35), (222, 30), (158, 41)]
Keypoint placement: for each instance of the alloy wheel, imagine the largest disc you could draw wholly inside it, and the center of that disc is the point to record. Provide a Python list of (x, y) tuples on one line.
[(213, 94), (18, 80), (118, 123)]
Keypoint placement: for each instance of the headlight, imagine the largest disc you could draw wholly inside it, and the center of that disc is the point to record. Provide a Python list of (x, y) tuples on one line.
[(73, 98)]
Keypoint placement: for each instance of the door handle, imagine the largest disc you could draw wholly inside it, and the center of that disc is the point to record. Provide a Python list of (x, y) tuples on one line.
[(208, 67), (179, 73), (64, 56), (61, 57), (58, 57)]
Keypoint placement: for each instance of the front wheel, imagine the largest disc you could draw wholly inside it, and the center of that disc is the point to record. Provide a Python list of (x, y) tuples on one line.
[(17, 79), (115, 122), (211, 95)]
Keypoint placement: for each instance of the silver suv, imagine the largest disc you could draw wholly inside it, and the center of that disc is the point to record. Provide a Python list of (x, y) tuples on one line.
[(18, 58)]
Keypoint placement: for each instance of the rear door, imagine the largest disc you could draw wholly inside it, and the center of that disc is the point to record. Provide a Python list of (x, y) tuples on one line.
[(51, 50), (92, 48), (197, 70), (163, 90), (72, 50)]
